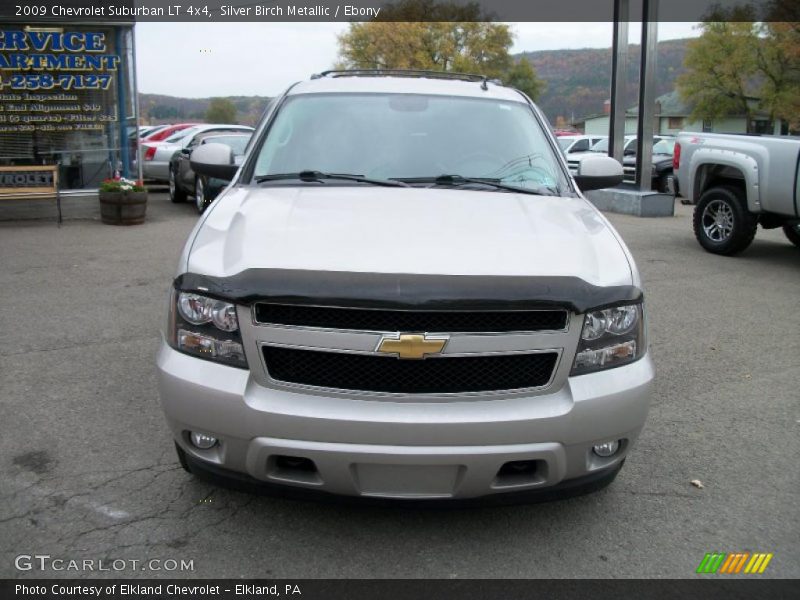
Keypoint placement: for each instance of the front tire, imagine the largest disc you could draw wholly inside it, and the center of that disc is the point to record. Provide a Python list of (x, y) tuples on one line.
[(663, 183), (792, 232), (722, 223), (200, 195), (176, 194)]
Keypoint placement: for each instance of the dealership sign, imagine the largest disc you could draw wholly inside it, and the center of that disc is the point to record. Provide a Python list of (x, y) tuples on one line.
[(50, 79), (73, 60), (42, 179)]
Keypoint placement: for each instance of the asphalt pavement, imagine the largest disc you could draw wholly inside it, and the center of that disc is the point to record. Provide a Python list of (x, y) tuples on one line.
[(88, 470)]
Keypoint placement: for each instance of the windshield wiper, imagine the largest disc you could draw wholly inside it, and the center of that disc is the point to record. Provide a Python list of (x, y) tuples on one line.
[(319, 176), (457, 180)]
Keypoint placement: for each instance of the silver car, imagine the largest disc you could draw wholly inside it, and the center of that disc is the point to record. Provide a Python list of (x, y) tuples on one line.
[(404, 294), (156, 156)]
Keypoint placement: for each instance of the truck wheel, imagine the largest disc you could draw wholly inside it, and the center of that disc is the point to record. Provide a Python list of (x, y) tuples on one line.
[(176, 194), (793, 233), (722, 223)]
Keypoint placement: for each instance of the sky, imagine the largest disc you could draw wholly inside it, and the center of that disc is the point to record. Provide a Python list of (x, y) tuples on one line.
[(261, 59)]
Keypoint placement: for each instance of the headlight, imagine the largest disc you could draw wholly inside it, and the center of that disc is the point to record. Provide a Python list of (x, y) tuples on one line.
[(194, 308), (206, 327), (610, 338)]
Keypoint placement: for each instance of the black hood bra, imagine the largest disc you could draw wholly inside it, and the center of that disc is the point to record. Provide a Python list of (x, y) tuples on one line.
[(408, 291)]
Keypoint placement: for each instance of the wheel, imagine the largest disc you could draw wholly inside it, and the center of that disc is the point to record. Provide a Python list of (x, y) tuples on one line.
[(793, 233), (722, 223), (176, 194), (182, 458), (200, 195), (663, 183)]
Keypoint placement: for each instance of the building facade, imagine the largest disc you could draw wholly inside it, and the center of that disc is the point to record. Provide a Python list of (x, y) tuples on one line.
[(672, 115), (68, 98)]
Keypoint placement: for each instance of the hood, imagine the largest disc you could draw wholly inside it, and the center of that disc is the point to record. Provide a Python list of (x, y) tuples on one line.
[(407, 230)]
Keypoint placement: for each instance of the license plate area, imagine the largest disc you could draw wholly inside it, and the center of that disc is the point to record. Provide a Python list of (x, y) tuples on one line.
[(407, 481)]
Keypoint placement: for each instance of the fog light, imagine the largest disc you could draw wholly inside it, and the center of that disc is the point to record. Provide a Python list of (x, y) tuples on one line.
[(202, 440), (606, 449)]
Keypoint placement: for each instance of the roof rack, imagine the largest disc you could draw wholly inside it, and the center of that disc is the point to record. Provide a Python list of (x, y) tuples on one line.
[(483, 79)]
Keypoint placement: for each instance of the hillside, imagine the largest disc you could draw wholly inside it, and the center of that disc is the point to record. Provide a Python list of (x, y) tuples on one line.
[(578, 81), (156, 108), (577, 85)]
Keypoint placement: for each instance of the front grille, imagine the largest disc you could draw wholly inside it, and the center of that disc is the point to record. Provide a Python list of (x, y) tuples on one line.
[(400, 320), (441, 375)]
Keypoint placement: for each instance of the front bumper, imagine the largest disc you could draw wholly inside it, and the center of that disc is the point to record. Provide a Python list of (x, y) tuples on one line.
[(414, 450)]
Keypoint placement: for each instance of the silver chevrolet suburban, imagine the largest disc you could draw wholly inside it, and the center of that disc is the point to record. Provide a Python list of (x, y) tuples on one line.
[(403, 294)]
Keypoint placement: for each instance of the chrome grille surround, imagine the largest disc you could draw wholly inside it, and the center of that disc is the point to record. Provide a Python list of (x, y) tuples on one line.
[(256, 335)]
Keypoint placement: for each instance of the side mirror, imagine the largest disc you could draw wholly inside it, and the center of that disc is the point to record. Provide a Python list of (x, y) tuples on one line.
[(598, 172), (214, 160), (186, 151)]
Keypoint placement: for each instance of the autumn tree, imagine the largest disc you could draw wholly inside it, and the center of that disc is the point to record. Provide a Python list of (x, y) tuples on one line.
[(221, 110), (458, 46), (778, 60), (740, 64), (720, 68)]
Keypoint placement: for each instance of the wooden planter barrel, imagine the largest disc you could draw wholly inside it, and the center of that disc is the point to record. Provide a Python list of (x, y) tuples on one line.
[(123, 208)]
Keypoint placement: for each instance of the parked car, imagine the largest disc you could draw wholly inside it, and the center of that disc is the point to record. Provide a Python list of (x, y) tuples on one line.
[(167, 131), (203, 189), (738, 182), (403, 294), (576, 144), (157, 155), (661, 170), (601, 147)]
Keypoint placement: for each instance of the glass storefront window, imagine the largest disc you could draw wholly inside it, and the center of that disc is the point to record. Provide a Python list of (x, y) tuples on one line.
[(67, 97)]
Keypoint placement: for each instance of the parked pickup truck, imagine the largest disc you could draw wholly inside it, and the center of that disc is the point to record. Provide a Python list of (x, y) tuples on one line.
[(737, 183)]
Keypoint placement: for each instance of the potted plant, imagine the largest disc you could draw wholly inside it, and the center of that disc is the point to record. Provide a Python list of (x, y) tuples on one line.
[(122, 201)]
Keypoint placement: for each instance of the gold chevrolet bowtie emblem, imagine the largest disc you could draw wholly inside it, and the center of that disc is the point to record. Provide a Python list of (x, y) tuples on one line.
[(412, 346)]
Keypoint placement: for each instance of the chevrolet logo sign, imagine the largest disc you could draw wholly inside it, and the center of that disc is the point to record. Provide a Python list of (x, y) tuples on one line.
[(413, 346)]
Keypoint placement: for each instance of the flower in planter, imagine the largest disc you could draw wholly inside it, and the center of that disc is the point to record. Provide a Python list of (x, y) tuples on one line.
[(121, 185)]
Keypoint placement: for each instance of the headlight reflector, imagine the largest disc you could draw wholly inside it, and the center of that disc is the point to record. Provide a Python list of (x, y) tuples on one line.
[(610, 337), (594, 326), (621, 319), (223, 315), (194, 308)]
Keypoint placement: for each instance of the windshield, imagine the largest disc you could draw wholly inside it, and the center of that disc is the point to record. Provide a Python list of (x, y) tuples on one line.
[(178, 136), (404, 136), (664, 147), (602, 145), (564, 142)]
